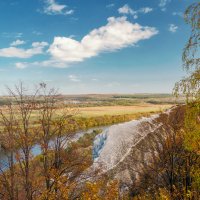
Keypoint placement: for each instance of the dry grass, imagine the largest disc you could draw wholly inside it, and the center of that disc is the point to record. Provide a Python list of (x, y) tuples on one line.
[(121, 110), (110, 110)]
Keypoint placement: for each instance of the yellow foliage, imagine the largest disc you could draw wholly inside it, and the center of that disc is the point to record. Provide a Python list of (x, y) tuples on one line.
[(100, 191)]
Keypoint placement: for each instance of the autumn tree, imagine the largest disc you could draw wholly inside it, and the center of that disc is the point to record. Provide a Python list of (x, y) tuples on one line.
[(169, 167), (8, 147), (18, 137), (174, 172), (53, 139), (42, 159), (190, 86), (175, 169)]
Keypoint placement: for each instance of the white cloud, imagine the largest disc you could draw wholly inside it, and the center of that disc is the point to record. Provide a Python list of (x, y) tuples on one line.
[(163, 4), (127, 10), (37, 48), (46, 63), (54, 8), (180, 14), (146, 10), (118, 33), (73, 78), (39, 44), (173, 28), (110, 5), (17, 43)]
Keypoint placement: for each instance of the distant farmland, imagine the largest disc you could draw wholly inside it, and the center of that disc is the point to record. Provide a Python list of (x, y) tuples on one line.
[(121, 110)]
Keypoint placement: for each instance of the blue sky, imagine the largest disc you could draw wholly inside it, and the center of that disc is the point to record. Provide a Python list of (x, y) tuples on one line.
[(93, 46)]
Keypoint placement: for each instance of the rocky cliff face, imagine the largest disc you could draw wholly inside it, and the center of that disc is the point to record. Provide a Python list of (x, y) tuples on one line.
[(123, 150)]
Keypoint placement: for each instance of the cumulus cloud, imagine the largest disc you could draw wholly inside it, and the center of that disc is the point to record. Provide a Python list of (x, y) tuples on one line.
[(37, 48), (53, 8), (118, 33), (39, 44), (17, 43), (173, 28), (127, 10), (163, 4)]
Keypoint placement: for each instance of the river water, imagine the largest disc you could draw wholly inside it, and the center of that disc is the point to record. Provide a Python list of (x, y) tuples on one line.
[(36, 150)]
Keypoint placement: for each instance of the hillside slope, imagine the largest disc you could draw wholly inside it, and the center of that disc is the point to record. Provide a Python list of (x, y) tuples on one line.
[(123, 150)]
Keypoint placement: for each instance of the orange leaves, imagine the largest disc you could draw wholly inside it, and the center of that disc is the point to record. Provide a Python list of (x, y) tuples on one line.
[(101, 190), (59, 190)]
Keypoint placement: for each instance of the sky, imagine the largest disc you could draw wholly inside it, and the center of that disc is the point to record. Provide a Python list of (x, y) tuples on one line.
[(93, 46)]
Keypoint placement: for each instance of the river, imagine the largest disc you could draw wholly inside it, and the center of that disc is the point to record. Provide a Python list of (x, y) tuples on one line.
[(36, 150)]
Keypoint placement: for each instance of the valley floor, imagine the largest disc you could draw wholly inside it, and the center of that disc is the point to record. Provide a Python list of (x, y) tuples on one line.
[(121, 110)]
